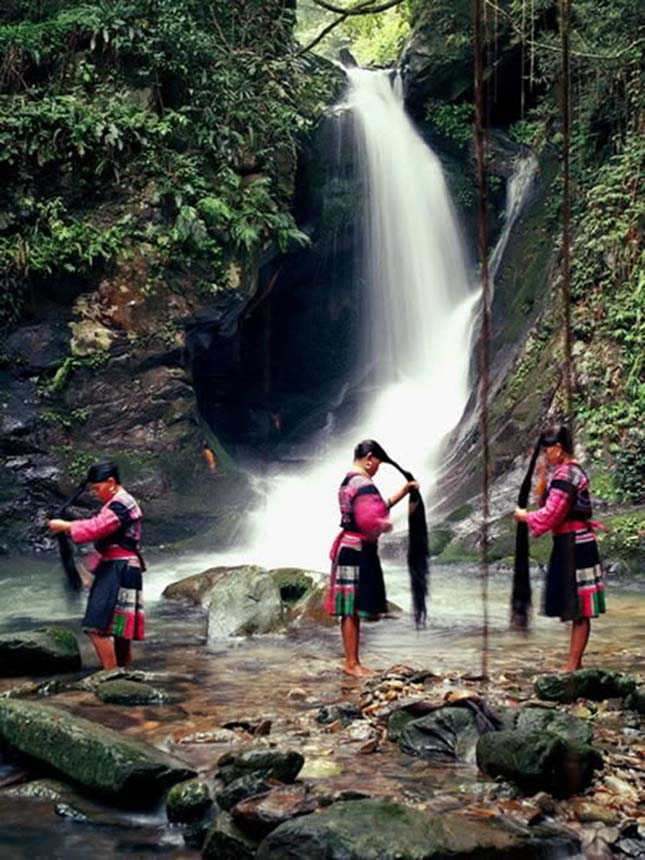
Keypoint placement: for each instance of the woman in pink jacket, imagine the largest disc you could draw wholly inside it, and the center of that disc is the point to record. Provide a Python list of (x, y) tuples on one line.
[(114, 615), (574, 590), (357, 588)]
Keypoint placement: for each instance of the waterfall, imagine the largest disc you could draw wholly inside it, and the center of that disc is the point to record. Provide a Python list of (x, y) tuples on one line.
[(517, 191), (419, 314)]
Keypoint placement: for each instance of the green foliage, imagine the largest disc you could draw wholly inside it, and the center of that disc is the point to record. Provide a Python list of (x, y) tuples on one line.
[(454, 121), (69, 365), (167, 122), (375, 40)]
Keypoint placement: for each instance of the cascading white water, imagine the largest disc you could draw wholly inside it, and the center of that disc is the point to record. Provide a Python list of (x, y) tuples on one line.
[(418, 325)]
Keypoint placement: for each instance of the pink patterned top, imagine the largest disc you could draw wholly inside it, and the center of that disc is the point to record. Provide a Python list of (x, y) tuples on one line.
[(362, 508), (565, 505), (120, 514)]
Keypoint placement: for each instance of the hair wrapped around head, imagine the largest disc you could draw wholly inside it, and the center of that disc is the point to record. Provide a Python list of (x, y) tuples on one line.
[(418, 550), (102, 471)]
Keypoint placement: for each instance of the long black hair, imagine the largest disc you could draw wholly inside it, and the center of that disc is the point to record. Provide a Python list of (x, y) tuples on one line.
[(418, 550), (521, 599)]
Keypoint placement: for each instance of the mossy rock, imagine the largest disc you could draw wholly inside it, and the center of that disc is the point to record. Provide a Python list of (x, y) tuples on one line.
[(383, 830), (225, 841), (188, 801), (293, 583), (635, 701), (124, 692), (127, 771), (39, 652), (595, 684), (538, 761), (264, 764)]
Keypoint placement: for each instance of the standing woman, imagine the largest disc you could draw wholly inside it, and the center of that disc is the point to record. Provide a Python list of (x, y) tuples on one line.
[(357, 589), (574, 589), (114, 614)]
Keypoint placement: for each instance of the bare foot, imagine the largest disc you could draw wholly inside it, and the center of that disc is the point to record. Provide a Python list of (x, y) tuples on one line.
[(365, 672), (569, 668), (354, 671)]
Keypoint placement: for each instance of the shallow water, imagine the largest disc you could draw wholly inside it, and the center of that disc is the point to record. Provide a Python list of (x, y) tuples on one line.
[(252, 679)]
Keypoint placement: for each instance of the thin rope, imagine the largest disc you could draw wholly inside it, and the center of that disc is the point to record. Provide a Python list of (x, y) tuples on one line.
[(484, 336), (565, 16)]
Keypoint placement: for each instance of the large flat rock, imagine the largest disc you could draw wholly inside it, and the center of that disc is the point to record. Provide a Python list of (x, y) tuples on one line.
[(127, 771), (39, 652), (382, 830)]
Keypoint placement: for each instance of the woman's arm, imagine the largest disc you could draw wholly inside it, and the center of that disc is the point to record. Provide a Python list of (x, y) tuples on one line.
[(552, 514), (402, 493), (94, 528), (370, 513)]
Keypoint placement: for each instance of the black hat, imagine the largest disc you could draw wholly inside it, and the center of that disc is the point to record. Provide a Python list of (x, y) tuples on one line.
[(102, 471)]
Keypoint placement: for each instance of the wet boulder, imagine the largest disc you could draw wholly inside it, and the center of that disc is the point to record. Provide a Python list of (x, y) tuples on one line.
[(258, 816), (244, 603), (382, 830), (241, 600), (447, 734), (127, 771), (225, 841), (571, 728), (344, 712), (293, 583), (635, 701), (595, 684), (39, 652), (262, 764), (538, 761), (188, 802), (240, 789), (125, 692)]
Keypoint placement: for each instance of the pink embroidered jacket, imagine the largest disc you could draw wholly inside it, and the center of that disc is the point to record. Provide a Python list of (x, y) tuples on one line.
[(362, 508), (115, 530), (565, 505)]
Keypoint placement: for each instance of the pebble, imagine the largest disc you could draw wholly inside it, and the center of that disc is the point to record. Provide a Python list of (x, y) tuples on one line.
[(296, 694)]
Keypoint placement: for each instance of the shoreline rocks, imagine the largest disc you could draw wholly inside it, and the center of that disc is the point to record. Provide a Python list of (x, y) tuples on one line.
[(44, 651), (129, 772)]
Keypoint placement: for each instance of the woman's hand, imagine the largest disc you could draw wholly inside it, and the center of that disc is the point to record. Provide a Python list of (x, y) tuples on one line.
[(400, 494), (521, 515), (58, 526)]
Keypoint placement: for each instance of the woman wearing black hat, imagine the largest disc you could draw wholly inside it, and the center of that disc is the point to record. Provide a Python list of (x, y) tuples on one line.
[(574, 589), (114, 615), (357, 588)]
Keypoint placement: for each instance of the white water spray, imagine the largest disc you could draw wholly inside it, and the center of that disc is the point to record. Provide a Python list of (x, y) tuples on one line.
[(418, 325), (419, 329)]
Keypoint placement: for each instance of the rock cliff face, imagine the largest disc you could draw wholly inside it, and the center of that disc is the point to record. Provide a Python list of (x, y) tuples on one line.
[(146, 356)]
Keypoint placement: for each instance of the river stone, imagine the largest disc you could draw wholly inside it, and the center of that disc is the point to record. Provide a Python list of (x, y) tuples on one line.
[(39, 652), (382, 830), (310, 609), (244, 603), (124, 692), (188, 801), (293, 583), (566, 726), (345, 712), (636, 700), (225, 841), (447, 734), (595, 684), (262, 764), (240, 789), (397, 721), (126, 770), (258, 816), (538, 761), (197, 588)]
